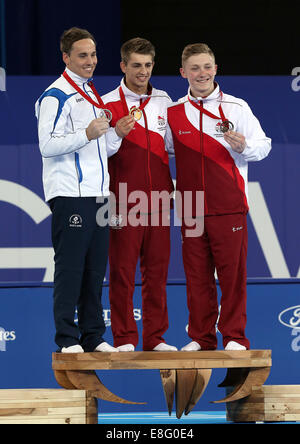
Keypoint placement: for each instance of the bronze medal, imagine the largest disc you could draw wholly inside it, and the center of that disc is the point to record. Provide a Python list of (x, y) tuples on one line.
[(225, 126)]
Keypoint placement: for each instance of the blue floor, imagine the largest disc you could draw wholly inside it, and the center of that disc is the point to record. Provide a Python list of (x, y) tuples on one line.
[(163, 418), (218, 417)]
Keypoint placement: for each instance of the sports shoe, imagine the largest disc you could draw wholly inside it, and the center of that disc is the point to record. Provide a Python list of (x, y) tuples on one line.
[(192, 346), (232, 345), (164, 347), (105, 347), (126, 348), (72, 349)]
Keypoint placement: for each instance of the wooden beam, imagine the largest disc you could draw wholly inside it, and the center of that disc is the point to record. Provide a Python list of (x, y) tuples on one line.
[(162, 360), (185, 374), (168, 379)]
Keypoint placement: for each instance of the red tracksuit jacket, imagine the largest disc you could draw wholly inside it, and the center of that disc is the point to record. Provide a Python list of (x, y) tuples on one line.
[(142, 161), (204, 161)]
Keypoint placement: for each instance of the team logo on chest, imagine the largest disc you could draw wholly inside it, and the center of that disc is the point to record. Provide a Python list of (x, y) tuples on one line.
[(161, 121)]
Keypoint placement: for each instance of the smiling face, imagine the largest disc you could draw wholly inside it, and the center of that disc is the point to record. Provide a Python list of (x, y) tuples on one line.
[(138, 70), (200, 70), (82, 59)]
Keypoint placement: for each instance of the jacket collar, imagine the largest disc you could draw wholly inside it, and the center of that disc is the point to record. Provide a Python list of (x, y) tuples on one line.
[(130, 94), (212, 96), (76, 78)]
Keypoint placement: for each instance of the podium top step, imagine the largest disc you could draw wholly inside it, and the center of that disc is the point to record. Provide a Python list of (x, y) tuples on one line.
[(162, 360)]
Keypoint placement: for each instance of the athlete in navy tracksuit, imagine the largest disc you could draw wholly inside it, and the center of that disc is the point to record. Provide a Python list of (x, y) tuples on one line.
[(73, 145)]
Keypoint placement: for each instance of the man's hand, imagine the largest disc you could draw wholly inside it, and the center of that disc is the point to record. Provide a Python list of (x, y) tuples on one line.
[(97, 128), (236, 140), (125, 125)]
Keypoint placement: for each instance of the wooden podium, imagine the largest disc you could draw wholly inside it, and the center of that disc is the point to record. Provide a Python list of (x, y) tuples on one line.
[(183, 374)]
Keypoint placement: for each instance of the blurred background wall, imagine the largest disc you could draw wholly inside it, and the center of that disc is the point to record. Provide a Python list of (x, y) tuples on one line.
[(249, 37)]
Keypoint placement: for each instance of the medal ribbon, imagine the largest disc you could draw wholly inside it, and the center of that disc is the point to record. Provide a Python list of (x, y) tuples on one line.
[(209, 114), (124, 103), (100, 103), (141, 108)]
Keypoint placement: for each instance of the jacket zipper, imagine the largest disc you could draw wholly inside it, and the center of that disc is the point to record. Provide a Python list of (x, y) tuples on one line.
[(148, 155), (99, 153), (78, 171), (202, 156)]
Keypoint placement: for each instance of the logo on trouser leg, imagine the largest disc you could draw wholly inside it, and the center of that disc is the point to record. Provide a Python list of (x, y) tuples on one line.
[(116, 221), (236, 228), (75, 221)]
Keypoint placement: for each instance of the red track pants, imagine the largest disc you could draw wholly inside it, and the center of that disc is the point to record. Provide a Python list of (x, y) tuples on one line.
[(152, 245), (223, 246)]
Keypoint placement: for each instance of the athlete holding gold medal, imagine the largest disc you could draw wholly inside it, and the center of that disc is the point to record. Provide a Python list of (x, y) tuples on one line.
[(141, 165)]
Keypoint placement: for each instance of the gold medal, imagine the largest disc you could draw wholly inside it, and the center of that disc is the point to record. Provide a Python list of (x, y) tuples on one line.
[(136, 113)]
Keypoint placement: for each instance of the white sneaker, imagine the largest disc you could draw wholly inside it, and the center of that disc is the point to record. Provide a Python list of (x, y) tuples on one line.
[(105, 347), (164, 347), (126, 348), (192, 346), (232, 345), (73, 349)]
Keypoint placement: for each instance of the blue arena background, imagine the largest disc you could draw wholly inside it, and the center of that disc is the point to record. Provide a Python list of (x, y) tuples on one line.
[(26, 256)]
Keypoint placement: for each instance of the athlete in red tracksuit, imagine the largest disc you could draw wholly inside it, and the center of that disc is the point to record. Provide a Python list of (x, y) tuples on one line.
[(214, 135), (139, 168)]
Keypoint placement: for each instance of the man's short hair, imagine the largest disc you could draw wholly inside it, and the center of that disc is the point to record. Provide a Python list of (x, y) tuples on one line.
[(137, 45), (194, 49), (71, 36)]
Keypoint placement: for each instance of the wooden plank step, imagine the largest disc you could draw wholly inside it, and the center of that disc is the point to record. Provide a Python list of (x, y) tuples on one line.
[(44, 406), (162, 360), (36, 394), (267, 403), (43, 420)]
